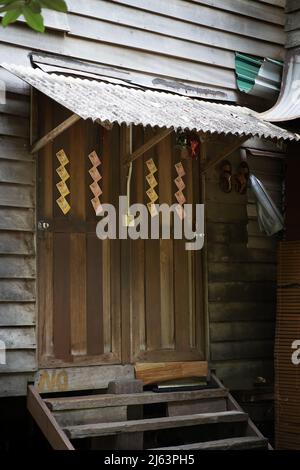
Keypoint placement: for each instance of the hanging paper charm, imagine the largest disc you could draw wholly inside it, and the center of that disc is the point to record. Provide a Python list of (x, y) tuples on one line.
[(151, 193), (95, 187), (180, 185), (62, 185)]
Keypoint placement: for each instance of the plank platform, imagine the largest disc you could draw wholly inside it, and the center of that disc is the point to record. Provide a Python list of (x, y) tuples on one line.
[(108, 429), (97, 401), (235, 443)]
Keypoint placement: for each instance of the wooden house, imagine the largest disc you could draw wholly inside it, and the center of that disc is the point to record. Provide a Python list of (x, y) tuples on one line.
[(77, 313)]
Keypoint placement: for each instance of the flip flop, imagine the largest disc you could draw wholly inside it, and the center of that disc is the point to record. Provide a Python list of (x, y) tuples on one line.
[(241, 178), (225, 181)]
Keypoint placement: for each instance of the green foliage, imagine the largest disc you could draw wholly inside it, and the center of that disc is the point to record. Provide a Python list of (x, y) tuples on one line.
[(31, 10)]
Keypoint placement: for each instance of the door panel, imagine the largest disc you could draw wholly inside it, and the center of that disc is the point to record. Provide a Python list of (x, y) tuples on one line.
[(79, 311), (165, 278)]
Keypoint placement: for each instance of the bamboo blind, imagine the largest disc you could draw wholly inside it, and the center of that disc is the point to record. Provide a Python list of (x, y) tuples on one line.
[(287, 375)]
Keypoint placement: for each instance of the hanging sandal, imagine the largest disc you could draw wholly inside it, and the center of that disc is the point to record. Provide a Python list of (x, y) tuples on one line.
[(241, 178), (225, 181)]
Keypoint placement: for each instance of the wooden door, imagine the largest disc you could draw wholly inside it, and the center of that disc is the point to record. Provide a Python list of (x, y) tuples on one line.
[(78, 274), (166, 283), (112, 301)]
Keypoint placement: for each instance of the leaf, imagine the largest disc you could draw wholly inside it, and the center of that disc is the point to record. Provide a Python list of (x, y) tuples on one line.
[(14, 5), (58, 5), (34, 20), (11, 17), (35, 6)]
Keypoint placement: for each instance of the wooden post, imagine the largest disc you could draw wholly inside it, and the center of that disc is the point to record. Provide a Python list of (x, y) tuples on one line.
[(134, 440)]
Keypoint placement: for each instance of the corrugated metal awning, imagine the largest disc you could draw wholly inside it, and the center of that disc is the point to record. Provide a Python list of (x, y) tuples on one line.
[(107, 103), (287, 107)]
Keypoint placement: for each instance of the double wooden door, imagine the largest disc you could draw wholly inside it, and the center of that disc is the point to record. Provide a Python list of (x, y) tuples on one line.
[(111, 301)]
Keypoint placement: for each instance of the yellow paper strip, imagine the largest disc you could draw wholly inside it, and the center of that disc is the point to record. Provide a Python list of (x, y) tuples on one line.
[(63, 204), (63, 188), (151, 180), (62, 158), (62, 172), (151, 165)]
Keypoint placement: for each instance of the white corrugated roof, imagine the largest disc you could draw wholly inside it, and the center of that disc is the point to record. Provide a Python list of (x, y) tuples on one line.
[(287, 107), (108, 104)]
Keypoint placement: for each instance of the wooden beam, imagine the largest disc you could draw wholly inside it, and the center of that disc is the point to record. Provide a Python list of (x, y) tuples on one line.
[(54, 133), (225, 153), (151, 373), (46, 421), (147, 146), (153, 424)]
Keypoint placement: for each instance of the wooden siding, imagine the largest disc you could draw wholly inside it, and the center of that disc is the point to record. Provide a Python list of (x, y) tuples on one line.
[(292, 24), (241, 275), (187, 45), (17, 245)]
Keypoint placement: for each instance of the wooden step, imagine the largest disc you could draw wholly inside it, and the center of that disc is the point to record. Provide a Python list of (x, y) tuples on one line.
[(235, 443), (145, 398), (107, 429)]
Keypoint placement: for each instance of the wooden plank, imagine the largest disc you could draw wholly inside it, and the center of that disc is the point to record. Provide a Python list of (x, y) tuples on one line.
[(15, 106), (14, 314), (251, 272), (51, 135), (90, 416), (155, 372), (166, 248), (14, 126), (107, 400), (94, 293), (14, 384), (151, 142), (61, 296), (78, 321), (17, 290), (46, 421), (242, 311), (227, 151), (18, 337), (13, 148), (117, 56), (207, 17), (242, 291), (17, 196), (80, 378), (138, 254), (107, 429), (212, 405), (19, 361), (235, 443), (18, 173), (242, 331), (152, 274), (291, 5), (13, 267), (231, 350), (125, 149), (175, 26), (272, 13)]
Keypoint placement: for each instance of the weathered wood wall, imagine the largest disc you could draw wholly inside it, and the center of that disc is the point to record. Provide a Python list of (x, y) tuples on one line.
[(185, 45), (292, 24), (187, 42), (17, 245), (241, 275)]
